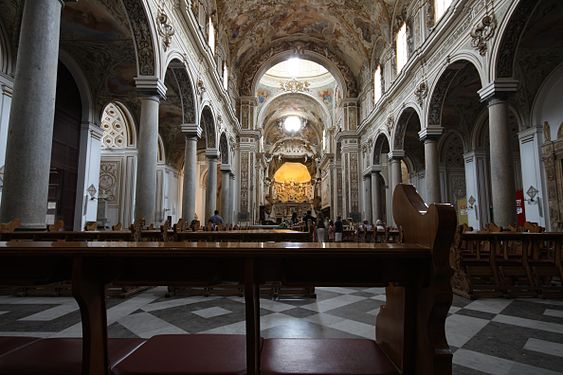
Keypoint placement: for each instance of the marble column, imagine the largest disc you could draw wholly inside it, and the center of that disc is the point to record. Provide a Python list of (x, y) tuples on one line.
[(395, 158), (503, 186), (225, 192), (367, 198), (232, 200), (151, 90), (28, 153), (375, 196), (211, 199), (430, 136), (192, 133)]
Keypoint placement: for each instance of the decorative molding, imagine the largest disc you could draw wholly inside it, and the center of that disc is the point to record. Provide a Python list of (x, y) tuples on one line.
[(142, 33), (390, 123), (165, 29), (294, 86), (421, 92), (482, 33)]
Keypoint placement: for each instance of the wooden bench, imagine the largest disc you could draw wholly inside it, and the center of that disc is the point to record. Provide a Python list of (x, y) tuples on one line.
[(511, 264), (410, 332)]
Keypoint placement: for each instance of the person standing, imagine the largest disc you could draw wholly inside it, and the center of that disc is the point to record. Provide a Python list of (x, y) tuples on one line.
[(330, 231), (321, 229), (338, 229), (216, 218)]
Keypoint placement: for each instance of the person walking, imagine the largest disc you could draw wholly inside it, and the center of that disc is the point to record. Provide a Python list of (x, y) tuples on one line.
[(338, 229)]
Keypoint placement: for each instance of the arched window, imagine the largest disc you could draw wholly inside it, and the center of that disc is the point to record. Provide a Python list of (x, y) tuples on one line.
[(211, 40), (401, 47), (377, 85), (114, 125), (440, 7), (225, 76)]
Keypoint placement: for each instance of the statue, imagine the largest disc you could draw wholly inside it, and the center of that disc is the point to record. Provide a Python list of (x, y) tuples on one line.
[(546, 132)]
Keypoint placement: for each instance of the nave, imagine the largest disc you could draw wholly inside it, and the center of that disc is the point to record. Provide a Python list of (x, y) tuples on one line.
[(487, 336)]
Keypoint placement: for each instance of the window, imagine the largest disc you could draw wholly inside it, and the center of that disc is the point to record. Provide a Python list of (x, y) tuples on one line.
[(225, 77), (377, 85), (440, 7), (211, 40), (401, 47)]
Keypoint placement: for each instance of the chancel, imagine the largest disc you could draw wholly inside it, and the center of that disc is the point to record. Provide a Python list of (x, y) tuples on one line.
[(247, 155)]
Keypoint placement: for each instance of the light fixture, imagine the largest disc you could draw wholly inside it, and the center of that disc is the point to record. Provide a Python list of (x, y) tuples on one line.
[(471, 202), (292, 124), (532, 192), (92, 191)]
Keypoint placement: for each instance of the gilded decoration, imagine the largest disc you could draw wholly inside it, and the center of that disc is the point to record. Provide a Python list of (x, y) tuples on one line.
[(284, 192)]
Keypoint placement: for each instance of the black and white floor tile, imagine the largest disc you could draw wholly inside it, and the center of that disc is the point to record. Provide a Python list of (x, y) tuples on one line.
[(487, 336)]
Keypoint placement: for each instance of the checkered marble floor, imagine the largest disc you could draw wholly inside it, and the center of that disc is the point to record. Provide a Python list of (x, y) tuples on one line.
[(487, 336)]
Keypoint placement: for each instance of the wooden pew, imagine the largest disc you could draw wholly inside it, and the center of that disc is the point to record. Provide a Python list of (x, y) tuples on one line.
[(511, 264), (410, 326)]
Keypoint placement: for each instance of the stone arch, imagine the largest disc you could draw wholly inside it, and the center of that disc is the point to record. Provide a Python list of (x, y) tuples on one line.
[(89, 114), (511, 29), (264, 109), (184, 82), (440, 88), (224, 149), (308, 51), (144, 36), (381, 146), (546, 105), (401, 126), (207, 122), (161, 154), (6, 59)]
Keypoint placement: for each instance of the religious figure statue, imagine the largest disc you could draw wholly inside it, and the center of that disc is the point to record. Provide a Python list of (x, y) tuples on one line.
[(546, 132)]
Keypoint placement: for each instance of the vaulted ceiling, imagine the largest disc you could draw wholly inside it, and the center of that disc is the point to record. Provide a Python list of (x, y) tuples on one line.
[(349, 30)]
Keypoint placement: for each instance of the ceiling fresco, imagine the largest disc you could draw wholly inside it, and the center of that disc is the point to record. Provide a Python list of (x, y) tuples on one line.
[(289, 104), (349, 29)]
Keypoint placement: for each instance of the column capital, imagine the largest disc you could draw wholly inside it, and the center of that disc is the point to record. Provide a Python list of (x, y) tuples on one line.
[(225, 168), (96, 132), (396, 155), (499, 89), (191, 130), (212, 153), (376, 169), (252, 100), (232, 175), (150, 86), (7, 90), (432, 133)]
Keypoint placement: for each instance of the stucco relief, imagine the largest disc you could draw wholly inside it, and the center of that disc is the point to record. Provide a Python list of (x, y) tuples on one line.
[(142, 35), (109, 180), (256, 62)]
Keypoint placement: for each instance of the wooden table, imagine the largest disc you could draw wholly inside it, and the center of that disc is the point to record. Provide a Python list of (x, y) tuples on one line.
[(91, 265), (252, 235)]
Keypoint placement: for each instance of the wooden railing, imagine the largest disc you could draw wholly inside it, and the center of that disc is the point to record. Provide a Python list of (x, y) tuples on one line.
[(410, 326)]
